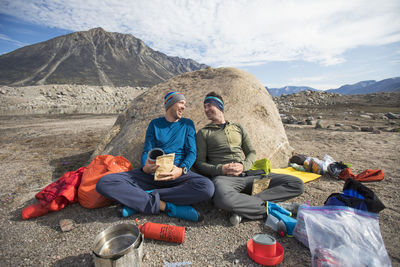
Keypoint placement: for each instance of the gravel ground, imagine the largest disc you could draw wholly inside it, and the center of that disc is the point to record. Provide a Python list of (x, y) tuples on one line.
[(36, 150)]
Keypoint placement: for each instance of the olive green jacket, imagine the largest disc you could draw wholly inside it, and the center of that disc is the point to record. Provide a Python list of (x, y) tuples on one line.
[(216, 147)]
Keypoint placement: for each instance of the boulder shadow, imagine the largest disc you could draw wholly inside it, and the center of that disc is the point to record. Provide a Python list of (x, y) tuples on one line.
[(81, 260), (70, 163), (75, 212), (240, 257)]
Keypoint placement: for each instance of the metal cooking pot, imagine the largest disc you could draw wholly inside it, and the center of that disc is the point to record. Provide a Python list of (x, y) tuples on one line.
[(119, 245)]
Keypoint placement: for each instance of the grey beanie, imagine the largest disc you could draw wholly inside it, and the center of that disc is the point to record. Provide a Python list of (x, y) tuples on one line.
[(171, 98)]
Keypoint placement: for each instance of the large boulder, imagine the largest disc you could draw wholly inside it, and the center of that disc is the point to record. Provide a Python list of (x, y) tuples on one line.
[(246, 102)]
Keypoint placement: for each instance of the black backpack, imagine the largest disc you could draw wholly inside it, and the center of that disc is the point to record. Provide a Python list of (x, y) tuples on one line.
[(356, 195)]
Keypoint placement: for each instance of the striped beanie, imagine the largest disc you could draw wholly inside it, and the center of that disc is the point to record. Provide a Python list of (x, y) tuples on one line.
[(215, 101), (171, 98)]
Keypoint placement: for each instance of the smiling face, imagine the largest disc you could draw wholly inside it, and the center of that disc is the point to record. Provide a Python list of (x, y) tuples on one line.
[(175, 112), (214, 114)]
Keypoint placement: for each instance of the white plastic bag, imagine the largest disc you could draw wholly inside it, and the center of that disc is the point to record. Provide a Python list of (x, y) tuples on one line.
[(341, 236)]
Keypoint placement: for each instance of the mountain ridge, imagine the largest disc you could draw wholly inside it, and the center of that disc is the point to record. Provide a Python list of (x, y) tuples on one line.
[(93, 57), (369, 86), (362, 87)]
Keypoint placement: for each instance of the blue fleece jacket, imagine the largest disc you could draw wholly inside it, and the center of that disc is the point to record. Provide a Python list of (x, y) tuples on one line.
[(172, 137)]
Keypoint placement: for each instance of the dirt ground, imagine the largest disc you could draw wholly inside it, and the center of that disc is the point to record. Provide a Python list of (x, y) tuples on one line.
[(36, 150)]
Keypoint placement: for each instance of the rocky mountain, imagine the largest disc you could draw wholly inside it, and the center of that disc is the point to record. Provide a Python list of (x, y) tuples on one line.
[(367, 87), (287, 90), (93, 57), (363, 87)]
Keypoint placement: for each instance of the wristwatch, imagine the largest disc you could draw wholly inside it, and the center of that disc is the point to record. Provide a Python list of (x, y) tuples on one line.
[(184, 170)]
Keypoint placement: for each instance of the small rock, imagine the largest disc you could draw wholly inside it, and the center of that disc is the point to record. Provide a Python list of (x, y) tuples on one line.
[(318, 125), (146, 257), (355, 127), (365, 116), (66, 225), (391, 115), (376, 132), (107, 89), (366, 129)]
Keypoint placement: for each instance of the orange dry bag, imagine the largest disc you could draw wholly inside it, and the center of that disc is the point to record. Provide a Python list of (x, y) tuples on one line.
[(100, 166)]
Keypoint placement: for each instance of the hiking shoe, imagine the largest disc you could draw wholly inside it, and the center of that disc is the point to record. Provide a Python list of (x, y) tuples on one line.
[(183, 212), (235, 219), (126, 211)]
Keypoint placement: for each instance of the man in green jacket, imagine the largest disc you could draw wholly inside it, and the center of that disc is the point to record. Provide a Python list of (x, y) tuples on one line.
[(224, 153)]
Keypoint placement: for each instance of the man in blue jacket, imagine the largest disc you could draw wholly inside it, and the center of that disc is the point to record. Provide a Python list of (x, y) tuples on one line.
[(137, 190)]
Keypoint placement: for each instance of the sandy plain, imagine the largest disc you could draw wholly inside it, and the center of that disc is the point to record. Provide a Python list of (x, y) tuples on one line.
[(36, 150)]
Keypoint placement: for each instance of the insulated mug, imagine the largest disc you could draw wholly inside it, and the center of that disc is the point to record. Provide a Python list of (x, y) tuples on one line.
[(153, 154)]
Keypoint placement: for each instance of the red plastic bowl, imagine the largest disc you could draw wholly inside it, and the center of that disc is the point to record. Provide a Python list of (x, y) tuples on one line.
[(262, 259)]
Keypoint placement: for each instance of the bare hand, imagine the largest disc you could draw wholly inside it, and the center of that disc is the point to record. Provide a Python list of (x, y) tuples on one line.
[(150, 168), (232, 169), (174, 174)]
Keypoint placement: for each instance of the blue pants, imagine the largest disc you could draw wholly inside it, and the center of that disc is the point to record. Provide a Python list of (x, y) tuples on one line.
[(128, 188)]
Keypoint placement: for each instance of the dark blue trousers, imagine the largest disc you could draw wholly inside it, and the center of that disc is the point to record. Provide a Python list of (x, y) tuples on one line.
[(129, 189)]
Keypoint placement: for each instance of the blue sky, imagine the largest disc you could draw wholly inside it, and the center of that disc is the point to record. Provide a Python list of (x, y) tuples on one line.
[(321, 44)]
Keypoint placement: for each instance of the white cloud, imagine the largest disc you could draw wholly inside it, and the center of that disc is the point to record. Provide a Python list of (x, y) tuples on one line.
[(230, 32), (8, 39), (302, 79)]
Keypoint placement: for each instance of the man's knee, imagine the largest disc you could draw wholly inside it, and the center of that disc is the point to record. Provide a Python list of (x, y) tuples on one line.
[(201, 184), (205, 187), (299, 185), (222, 200), (296, 185), (209, 188)]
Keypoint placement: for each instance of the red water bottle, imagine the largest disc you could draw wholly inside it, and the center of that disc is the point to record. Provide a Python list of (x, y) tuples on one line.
[(164, 232)]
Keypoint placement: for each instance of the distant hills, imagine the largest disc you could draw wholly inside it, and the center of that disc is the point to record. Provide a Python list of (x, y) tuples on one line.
[(367, 87), (363, 87), (93, 57)]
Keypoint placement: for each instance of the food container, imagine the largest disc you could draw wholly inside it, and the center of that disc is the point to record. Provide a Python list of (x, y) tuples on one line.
[(119, 246), (264, 249), (153, 154)]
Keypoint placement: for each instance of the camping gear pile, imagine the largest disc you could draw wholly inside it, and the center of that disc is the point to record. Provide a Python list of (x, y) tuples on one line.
[(336, 169), (77, 186), (343, 232)]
